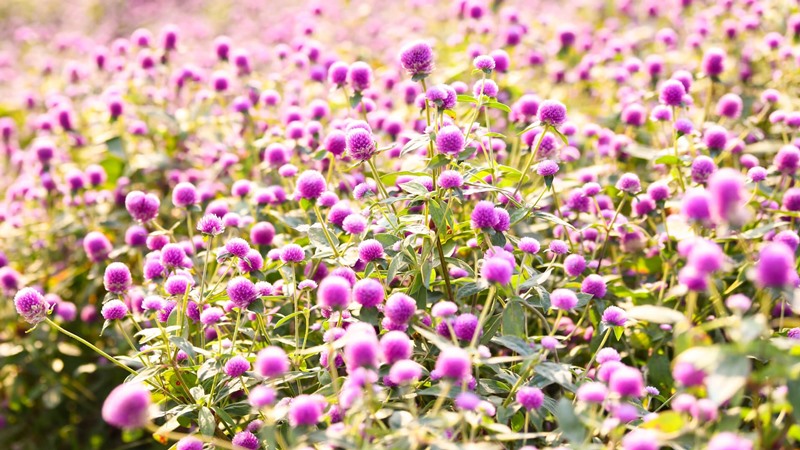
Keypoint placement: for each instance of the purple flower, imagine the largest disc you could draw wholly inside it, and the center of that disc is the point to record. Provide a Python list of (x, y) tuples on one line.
[(465, 326), (454, 364), (271, 362), (450, 140), (292, 253), (245, 440), (142, 207), (359, 74), (405, 372), (629, 182), (615, 316), (337, 73), (730, 106), (395, 346), (552, 113), (715, 138), (241, 291), (484, 63), (360, 144), (261, 396), (334, 292), (485, 87), (497, 270), (592, 392), (727, 440), (127, 406), (237, 366), (117, 278), (775, 266), (31, 305), (450, 179), (627, 382), (594, 285), (702, 168), (306, 410), (686, 374), (368, 292), (184, 194), (714, 62), (310, 185), (370, 250), (640, 439), (417, 58), (574, 265), (400, 308), (529, 245), (563, 299), (189, 443), (483, 215), (114, 310), (672, 92), (530, 397)]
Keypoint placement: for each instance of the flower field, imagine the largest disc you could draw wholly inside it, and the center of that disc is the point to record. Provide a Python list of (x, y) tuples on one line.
[(423, 224)]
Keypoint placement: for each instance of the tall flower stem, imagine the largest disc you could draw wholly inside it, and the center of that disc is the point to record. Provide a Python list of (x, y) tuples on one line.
[(609, 227), (325, 231), (530, 161), (484, 313)]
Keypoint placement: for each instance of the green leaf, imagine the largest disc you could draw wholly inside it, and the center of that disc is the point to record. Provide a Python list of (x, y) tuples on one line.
[(794, 397), (655, 314), (466, 98), (415, 143), (206, 421), (667, 159), (514, 320), (437, 213), (355, 99), (514, 343), (560, 135), (414, 188), (498, 105), (437, 161), (470, 289), (569, 423), (728, 378)]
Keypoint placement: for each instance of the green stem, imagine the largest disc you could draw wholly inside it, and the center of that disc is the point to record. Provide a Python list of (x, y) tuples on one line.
[(530, 161)]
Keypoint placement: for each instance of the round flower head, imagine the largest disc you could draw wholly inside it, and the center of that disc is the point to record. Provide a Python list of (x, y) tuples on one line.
[(114, 310), (563, 299), (368, 292), (497, 270), (184, 194), (788, 238), (127, 406), (237, 247), (483, 215), (370, 250), (117, 278), (485, 87), (237, 366), (702, 168), (336, 142), (359, 74), (715, 138), (791, 199), (727, 440), (450, 140), (337, 73), (547, 168), (788, 159), (354, 224), (262, 233), (271, 362), (396, 346), (614, 316), (245, 440), (334, 293), (31, 305), (627, 382), (172, 255), (97, 246), (686, 374), (775, 267), (310, 185), (592, 392), (529, 245), (530, 397), (574, 265), (714, 62), (594, 285), (683, 126), (728, 196), (552, 113), (658, 191), (400, 308), (292, 253), (261, 396), (484, 63), (465, 326), (730, 106), (210, 225), (360, 144), (450, 179), (241, 291), (454, 364), (640, 439), (306, 410), (189, 443), (672, 92), (142, 207), (404, 372), (558, 247), (696, 205), (417, 58), (629, 182)]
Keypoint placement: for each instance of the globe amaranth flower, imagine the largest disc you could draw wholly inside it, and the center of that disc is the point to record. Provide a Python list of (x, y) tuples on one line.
[(627, 382), (261, 396), (189, 443), (484, 63), (730, 106), (727, 440), (396, 346), (450, 179), (497, 270), (370, 250), (117, 278), (127, 406), (485, 87), (552, 113), (547, 168), (360, 144), (114, 310), (245, 440), (529, 245), (687, 375), (715, 138), (614, 316), (359, 75), (450, 140), (417, 58), (31, 305), (400, 308), (310, 185), (465, 326), (237, 247), (787, 160), (184, 194), (142, 207), (530, 397), (241, 291), (368, 292), (483, 215), (629, 183), (237, 366), (454, 364), (405, 371), (641, 439), (334, 292), (271, 362), (702, 168), (672, 92), (563, 299), (337, 73), (292, 253), (775, 266), (306, 410), (574, 265), (714, 62)]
